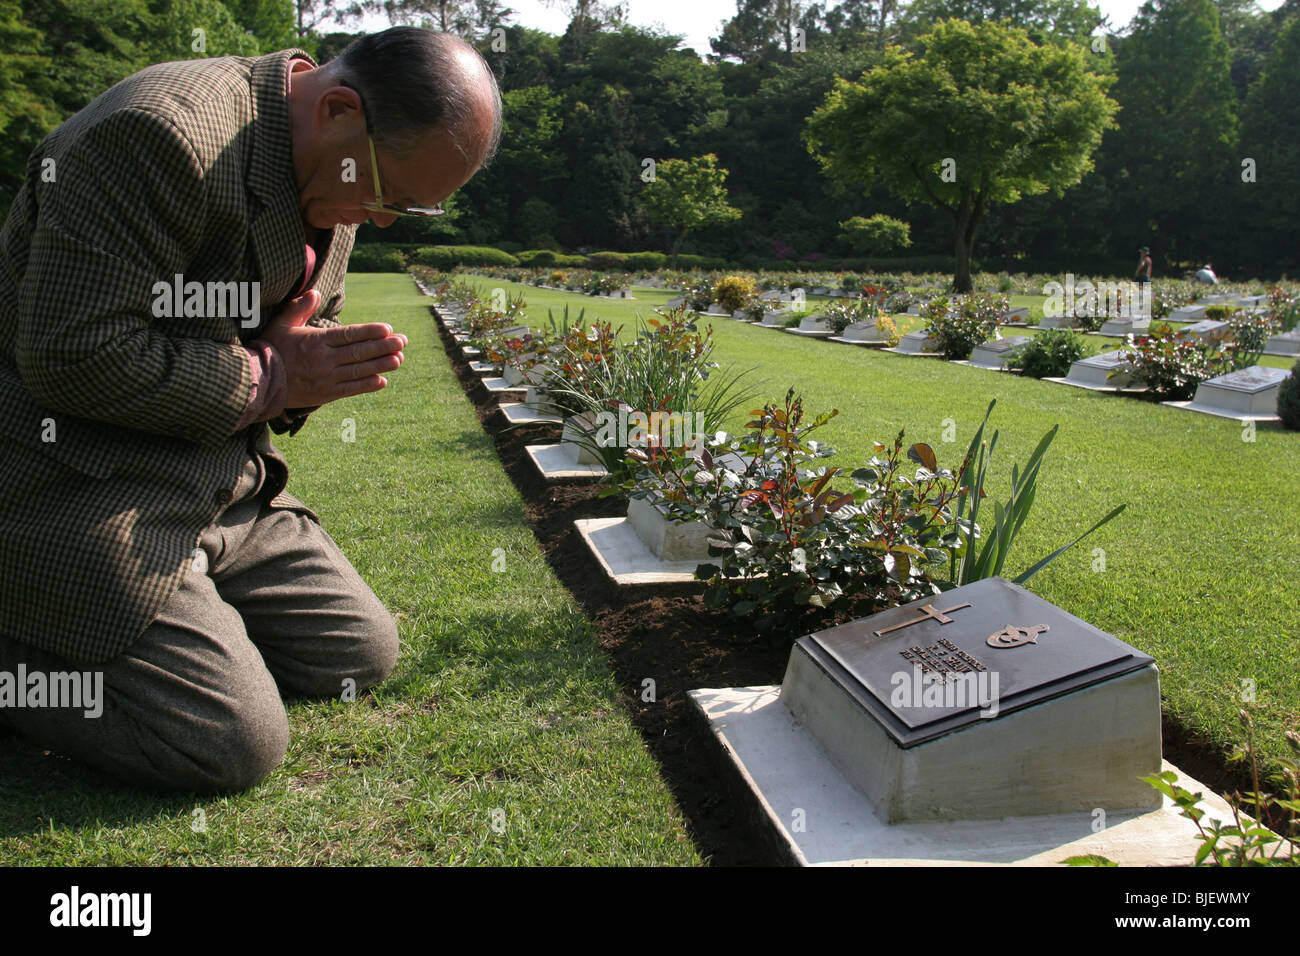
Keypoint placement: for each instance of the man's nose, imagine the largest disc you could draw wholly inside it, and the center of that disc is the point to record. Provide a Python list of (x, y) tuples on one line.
[(382, 220)]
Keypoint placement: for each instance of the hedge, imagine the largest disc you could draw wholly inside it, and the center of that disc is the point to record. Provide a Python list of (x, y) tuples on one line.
[(447, 257), (543, 258), (377, 258)]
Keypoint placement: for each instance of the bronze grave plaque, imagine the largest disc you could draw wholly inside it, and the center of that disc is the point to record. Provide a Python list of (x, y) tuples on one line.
[(934, 666)]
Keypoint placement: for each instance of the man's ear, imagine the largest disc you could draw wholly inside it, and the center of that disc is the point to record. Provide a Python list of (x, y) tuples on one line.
[(339, 105)]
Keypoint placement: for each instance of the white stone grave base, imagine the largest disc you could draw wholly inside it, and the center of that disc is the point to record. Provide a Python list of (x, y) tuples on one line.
[(898, 351), (559, 462), (483, 368), (1286, 344), (521, 413), (863, 342), (1118, 328), (786, 770), (1058, 322), (1094, 387), (499, 384), (811, 333), (1248, 395), (469, 352), (1204, 409), (626, 558)]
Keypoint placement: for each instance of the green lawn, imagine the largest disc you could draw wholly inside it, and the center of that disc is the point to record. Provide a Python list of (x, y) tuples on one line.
[(500, 739), (1200, 571)]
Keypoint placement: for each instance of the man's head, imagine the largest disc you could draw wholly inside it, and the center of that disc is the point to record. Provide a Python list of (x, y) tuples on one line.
[(430, 103)]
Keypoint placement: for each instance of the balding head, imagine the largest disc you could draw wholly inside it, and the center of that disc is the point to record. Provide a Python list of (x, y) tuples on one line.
[(415, 81)]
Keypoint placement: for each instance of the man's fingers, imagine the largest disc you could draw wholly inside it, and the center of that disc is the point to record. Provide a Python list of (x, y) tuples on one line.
[(361, 370), (351, 334), (360, 386)]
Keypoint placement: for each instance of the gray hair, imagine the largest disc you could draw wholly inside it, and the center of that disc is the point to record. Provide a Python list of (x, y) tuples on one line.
[(413, 81)]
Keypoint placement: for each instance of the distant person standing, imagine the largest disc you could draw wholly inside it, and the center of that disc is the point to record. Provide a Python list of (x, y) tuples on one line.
[(1144, 265), (1206, 275)]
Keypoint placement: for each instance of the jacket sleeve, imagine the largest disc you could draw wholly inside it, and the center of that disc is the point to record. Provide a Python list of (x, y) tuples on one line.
[(125, 212)]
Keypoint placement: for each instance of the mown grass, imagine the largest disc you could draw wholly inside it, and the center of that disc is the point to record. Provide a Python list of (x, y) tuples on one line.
[(1200, 571), (499, 739)]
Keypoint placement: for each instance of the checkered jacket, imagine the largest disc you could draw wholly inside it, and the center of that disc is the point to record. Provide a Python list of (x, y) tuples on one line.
[(118, 427)]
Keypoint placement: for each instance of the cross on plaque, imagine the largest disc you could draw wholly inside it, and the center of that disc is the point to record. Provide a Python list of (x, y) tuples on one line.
[(928, 612)]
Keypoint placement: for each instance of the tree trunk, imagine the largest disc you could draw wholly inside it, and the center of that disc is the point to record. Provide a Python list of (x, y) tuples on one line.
[(961, 280), (967, 220), (677, 244)]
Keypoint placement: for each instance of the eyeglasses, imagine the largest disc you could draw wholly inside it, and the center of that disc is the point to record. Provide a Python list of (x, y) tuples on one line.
[(379, 206), (388, 209)]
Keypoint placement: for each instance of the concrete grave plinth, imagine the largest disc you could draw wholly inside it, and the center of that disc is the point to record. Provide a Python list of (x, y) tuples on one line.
[(984, 702), (865, 333), (773, 320), (523, 413), (560, 462), (1058, 322), (870, 751), (1188, 313), (1248, 394), (1094, 372), (502, 384), (1206, 330), (668, 540), (1288, 343), (484, 368), (913, 310), (1017, 316), (469, 352), (817, 817), (994, 353), (922, 343), (1124, 326), (645, 547), (812, 326)]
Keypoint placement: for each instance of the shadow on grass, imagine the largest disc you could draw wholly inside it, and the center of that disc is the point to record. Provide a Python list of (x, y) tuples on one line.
[(41, 789), (534, 656)]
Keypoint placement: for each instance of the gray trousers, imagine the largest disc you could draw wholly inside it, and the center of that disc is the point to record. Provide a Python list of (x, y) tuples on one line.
[(195, 703)]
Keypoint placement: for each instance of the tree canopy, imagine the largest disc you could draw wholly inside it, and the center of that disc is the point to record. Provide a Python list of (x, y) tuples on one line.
[(688, 194), (982, 116)]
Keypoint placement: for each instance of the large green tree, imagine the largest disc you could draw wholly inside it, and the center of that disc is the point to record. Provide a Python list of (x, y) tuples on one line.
[(687, 194), (984, 115), (1173, 159), (1270, 139)]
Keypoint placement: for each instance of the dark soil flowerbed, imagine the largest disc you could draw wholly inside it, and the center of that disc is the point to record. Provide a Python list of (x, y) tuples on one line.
[(664, 632)]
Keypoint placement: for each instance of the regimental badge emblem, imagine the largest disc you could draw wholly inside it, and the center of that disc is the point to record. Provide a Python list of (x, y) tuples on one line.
[(1013, 636)]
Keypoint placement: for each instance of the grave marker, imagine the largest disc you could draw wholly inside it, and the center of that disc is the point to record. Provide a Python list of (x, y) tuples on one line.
[(1246, 394), (1094, 372), (994, 353)]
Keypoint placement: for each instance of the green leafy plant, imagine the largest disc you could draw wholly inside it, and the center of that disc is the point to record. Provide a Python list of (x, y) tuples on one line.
[(973, 323), (1288, 399), (1050, 353), (1283, 308), (984, 554), (734, 293), (665, 374), (842, 313), (1249, 334), (787, 538), (1172, 367)]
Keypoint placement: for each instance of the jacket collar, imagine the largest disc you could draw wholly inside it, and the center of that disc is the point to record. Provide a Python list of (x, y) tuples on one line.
[(276, 230)]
